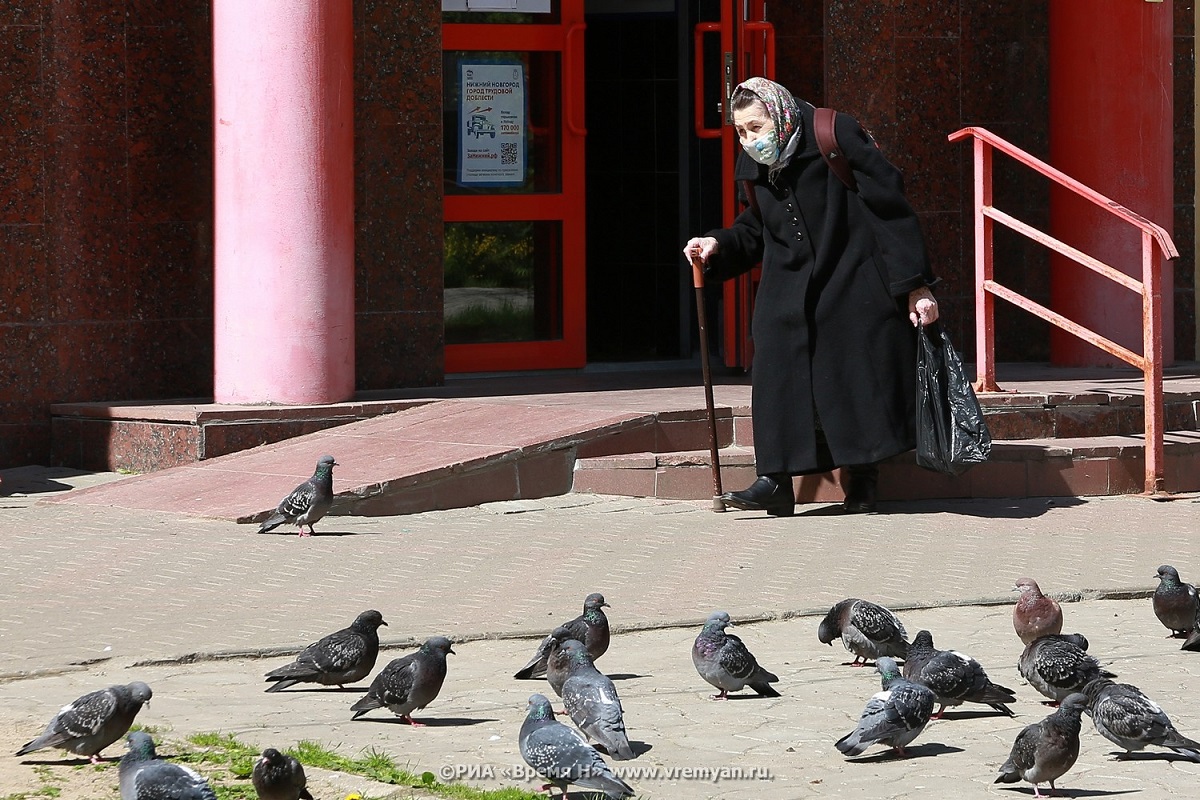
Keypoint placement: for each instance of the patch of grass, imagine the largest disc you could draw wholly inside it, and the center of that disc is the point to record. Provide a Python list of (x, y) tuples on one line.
[(223, 749)]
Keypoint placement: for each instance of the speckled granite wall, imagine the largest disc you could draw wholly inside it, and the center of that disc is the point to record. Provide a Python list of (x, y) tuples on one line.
[(398, 244), (105, 220)]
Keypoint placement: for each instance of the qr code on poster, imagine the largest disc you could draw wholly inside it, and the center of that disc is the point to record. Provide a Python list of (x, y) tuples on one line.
[(508, 152)]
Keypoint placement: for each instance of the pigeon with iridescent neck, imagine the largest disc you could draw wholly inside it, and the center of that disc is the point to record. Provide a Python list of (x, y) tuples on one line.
[(562, 756), (894, 716), (142, 775), (723, 660), (590, 627), (308, 502), (277, 776)]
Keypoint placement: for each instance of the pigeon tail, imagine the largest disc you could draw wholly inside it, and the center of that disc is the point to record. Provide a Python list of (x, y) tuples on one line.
[(282, 684), (765, 689), (368, 703), (272, 522)]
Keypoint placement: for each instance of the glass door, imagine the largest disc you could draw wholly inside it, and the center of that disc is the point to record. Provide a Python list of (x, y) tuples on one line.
[(513, 139), (745, 47)]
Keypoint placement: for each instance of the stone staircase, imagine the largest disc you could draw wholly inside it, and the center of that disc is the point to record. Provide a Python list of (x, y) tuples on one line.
[(1044, 445)]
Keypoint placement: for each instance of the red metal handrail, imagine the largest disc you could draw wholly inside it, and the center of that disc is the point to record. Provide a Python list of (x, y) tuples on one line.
[(1150, 362)]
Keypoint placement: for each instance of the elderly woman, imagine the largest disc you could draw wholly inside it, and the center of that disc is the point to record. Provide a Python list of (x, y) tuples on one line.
[(845, 280)]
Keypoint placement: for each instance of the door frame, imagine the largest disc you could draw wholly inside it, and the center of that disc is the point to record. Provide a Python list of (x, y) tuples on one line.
[(566, 206)]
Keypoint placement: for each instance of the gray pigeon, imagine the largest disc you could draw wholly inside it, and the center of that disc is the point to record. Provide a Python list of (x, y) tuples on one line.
[(93, 722), (590, 627), (342, 657), (408, 683), (894, 716), (868, 630), (1035, 615), (279, 777), (724, 661), (1057, 665), (1175, 602), (953, 676), (562, 756), (591, 700), (1129, 719), (307, 503), (143, 776), (1044, 751)]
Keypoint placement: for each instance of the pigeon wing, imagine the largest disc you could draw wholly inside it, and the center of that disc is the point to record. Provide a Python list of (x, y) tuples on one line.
[(87, 715), (736, 658)]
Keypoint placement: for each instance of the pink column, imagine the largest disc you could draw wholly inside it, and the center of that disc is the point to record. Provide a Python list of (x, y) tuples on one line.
[(283, 75)]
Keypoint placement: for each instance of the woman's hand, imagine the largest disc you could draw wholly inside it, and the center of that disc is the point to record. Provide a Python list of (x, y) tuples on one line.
[(699, 249), (922, 308)]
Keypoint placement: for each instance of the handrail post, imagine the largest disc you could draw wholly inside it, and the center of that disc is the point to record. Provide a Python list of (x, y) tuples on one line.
[(985, 321), (1152, 345)]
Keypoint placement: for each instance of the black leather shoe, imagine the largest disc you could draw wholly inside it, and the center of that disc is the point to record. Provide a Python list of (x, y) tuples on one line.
[(769, 493), (861, 489)]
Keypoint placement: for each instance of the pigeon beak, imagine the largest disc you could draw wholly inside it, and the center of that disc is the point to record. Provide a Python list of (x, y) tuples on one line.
[(605, 605), (451, 650), (381, 622)]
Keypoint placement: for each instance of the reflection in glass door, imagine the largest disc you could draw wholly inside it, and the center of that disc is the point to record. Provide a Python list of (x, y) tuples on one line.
[(513, 143)]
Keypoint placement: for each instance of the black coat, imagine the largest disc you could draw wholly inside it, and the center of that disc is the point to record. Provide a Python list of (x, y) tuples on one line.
[(832, 338)]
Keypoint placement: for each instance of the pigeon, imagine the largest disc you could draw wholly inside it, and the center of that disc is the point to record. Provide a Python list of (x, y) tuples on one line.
[(279, 777), (590, 627), (1129, 719), (307, 503), (868, 630), (93, 722), (1057, 665), (591, 700), (143, 776), (1044, 751), (340, 658), (894, 716), (724, 661), (1035, 615), (953, 676), (408, 683), (562, 756), (1175, 602)]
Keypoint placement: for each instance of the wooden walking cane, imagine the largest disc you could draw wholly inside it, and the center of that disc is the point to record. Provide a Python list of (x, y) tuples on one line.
[(714, 456)]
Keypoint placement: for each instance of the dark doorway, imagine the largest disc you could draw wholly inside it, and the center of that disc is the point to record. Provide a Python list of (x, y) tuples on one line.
[(636, 289)]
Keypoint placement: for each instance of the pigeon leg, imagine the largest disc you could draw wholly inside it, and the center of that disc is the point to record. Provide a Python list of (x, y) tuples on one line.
[(723, 695), (939, 713), (302, 533), (96, 759), (407, 718), (859, 661)]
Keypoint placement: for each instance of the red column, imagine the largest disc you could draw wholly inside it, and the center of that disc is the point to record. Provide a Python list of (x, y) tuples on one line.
[(283, 75), (1111, 128)]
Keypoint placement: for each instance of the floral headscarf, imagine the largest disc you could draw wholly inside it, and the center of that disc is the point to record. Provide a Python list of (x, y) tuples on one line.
[(785, 113)]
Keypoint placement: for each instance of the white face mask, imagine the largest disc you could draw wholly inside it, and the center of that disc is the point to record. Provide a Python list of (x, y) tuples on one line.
[(764, 149)]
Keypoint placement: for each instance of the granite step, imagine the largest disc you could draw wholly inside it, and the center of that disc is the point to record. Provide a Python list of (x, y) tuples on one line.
[(1043, 467)]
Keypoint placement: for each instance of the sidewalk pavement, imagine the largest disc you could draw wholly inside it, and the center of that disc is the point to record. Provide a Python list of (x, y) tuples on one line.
[(91, 596)]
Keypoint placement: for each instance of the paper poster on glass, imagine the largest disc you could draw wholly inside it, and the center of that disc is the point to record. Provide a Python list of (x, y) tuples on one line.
[(491, 131)]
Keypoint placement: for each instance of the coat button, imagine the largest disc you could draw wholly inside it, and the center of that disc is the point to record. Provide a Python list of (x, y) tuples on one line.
[(790, 207), (795, 221), (799, 235)]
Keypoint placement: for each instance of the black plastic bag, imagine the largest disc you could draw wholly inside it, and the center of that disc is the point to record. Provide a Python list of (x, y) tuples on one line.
[(951, 432)]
